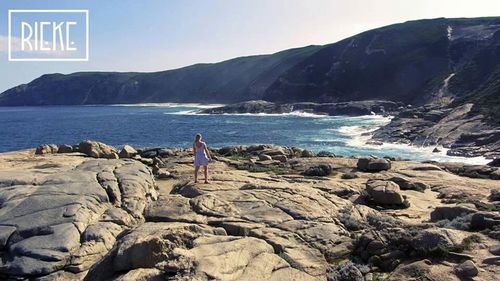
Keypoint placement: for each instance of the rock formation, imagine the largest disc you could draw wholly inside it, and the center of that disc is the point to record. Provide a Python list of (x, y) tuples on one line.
[(69, 216)]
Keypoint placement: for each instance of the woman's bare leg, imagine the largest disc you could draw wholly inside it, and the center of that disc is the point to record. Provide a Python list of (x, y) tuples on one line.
[(196, 168), (205, 172)]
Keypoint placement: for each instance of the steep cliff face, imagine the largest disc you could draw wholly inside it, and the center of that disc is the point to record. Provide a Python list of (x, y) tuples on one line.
[(412, 62), (440, 61)]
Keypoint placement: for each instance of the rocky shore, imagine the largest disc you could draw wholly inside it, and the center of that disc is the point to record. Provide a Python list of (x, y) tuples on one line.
[(93, 212), (463, 131)]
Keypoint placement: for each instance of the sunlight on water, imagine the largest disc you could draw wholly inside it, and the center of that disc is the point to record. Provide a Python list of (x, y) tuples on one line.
[(170, 124)]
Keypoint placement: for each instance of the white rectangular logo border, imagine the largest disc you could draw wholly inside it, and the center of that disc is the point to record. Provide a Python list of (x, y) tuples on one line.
[(86, 12)]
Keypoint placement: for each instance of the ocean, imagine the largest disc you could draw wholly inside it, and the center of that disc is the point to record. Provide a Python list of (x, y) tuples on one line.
[(174, 125)]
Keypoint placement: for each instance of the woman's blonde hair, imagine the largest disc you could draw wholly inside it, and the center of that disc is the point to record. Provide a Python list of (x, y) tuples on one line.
[(197, 137)]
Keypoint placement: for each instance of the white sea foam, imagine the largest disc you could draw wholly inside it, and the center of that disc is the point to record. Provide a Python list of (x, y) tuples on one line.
[(360, 134), (293, 113)]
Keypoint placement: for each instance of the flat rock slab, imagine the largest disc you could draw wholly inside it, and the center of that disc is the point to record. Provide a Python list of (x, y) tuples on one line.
[(53, 215)]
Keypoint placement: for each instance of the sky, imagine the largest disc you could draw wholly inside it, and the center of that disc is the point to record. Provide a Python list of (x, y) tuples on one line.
[(154, 35)]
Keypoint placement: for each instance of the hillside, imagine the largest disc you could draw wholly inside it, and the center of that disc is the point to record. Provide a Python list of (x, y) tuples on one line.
[(439, 61)]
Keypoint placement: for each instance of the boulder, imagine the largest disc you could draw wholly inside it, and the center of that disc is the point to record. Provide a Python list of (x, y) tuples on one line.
[(127, 152), (165, 152), (325, 154), (407, 184), (483, 220), (322, 170), (98, 149), (373, 164), (307, 153), (264, 157), (374, 142), (436, 150), (228, 150), (150, 153), (452, 212), (467, 269), (46, 149), (278, 157), (349, 176), (495, 250), (383, 192), (430, 239), (274, 151), (65, 148)]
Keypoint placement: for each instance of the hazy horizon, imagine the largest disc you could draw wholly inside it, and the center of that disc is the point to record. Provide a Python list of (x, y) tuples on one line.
[(166, 35)]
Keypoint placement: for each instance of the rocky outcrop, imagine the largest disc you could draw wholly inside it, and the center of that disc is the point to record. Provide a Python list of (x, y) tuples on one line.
[(97, 149), (73, 217), (66, 218), (385, 193), (373, 164), (352, 108), (127, 152), (460, 129)]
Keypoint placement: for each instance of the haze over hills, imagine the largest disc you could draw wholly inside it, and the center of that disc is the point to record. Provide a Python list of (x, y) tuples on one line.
[(438, 61)]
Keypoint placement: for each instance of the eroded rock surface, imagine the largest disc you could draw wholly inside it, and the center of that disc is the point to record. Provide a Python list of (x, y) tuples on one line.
[(72, 217), (66, 218)]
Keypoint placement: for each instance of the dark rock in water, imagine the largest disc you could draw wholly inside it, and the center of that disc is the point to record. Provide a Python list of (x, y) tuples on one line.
[(374, 142), (495, 162), (322, 170), (98, 149), (46, 149), (467, 269), (436, 150), (65, 148), (382, 192), (127, 152), (373, 164)]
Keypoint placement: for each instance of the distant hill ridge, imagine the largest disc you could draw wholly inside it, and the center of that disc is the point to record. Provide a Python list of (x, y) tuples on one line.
[(439, 61)]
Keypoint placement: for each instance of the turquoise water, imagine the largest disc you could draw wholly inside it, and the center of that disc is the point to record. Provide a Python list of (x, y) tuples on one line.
[(169, 125)]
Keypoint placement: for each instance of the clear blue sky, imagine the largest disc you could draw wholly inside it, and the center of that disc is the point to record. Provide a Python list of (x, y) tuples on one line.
[(152, 35)]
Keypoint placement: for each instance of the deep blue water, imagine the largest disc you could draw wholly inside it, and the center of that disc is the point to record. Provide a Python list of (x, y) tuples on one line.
[(169, 126)]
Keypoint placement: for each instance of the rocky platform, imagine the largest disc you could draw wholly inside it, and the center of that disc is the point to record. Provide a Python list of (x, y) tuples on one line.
[(351, 108), (269, 213)]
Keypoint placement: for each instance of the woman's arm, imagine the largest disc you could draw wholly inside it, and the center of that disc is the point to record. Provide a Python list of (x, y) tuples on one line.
[(207, 152)]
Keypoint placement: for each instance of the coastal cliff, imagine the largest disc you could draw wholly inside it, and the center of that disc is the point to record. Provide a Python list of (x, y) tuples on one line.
[(93, 212)]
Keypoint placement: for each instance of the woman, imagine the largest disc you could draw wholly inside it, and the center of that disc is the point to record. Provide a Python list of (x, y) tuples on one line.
[(201, 157)]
